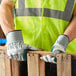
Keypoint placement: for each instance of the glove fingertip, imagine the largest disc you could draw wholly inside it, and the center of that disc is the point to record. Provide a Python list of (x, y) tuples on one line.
[(41, 58), (10, 57)]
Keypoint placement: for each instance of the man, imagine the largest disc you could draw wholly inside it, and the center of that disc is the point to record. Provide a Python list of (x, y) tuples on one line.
[(41, 23)]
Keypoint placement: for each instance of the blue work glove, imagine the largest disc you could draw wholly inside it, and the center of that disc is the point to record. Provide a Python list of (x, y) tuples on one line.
[(59, 46), (16, 49)]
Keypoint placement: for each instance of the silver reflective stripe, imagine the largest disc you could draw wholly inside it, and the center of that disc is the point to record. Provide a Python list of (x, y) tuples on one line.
[(64, 15), (53, 13), (68, 10), (29, 12)]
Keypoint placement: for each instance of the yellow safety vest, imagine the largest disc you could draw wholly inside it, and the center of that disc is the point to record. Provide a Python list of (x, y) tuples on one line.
[(42, 21)]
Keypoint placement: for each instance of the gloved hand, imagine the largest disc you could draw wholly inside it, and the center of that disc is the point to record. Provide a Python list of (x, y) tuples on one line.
[(16, 49), (59, 46)]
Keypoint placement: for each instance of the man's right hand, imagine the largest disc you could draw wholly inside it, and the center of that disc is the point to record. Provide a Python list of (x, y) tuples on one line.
[(16, 49)]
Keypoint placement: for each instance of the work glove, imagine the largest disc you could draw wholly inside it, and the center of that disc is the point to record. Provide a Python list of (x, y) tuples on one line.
[(59, 46), (16, 49)]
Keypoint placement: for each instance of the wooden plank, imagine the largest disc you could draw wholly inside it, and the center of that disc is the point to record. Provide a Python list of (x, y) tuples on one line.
[(12, 66), (66, 65), (3, 48), (2, 64), (37, 64), (65, 71), (15, 68), (59, 65), (33, 64), (5, 68), (7, 65), (42, 68), (69, 65), (42, 53)]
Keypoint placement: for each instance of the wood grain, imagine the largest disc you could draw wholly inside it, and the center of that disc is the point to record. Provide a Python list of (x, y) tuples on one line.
[(65, 71), (59, 65), (15, 68), (33, 65), (2, 64), (42, 53), (69, 63), (7, 65), (42, 68)]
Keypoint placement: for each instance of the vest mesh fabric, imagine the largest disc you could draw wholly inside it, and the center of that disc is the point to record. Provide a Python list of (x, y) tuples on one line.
[(42, 21)]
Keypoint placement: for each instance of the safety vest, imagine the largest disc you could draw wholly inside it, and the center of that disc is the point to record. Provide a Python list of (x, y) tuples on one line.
[(42, 21)]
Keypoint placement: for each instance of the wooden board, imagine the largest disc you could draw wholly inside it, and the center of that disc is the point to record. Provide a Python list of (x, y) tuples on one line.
[(36, 67), (63, 65), (33, 64), (7, 65), (42, 68), (15, 67), (2, 64), (5, 68), (42, 53), (69, 63), (3, 48), (59, 65), (65, 71)]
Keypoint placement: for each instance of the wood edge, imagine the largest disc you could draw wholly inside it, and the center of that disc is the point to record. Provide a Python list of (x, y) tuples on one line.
[(43, 53), (3, 48)]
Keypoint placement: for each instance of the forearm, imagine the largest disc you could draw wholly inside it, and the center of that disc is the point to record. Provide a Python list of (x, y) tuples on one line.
[(6, 17), (71, 30)]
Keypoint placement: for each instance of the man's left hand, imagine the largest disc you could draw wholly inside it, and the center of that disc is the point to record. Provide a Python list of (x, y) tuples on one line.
[(59, 46)]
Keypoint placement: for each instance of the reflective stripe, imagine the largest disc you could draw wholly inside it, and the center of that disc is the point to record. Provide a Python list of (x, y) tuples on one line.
[(29, 12), (64, 15), (53, 13), (68, 10)]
